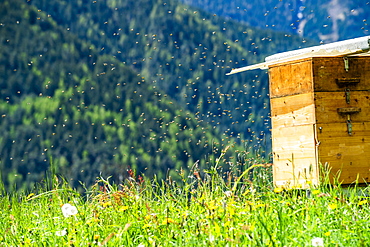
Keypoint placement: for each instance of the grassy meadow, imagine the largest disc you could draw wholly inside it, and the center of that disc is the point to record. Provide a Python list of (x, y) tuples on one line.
[(203, 209)]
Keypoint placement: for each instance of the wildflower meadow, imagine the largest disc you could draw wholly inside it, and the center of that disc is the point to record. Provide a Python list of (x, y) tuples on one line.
[(203, 209)]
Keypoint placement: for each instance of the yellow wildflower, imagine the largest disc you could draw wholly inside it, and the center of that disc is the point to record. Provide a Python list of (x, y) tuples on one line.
[(185, 215), (362, 202), (231, 211), (278, 189), (123, 208), (298, 186), (332, 206), (227, 224), (147, 226), (107, 204), (315, 192), (217, 229), (212, 205), (167, 221), (327, 234)]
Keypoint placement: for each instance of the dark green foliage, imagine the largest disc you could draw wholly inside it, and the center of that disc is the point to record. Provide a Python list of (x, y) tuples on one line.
[(184, 52), (63, 103)]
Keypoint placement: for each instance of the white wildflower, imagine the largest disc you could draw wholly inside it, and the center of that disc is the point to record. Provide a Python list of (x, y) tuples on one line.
[(228, 193), (61, 233), (317, 242), (69, 210)]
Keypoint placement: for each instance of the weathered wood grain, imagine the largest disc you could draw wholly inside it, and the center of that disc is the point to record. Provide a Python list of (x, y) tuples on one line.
[(294, 153), (293, 110), (291, 78), (328, 70), (328, 103), (344, 152)]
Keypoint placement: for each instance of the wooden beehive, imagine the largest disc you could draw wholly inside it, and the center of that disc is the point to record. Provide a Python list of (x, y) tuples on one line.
[(320, 113)]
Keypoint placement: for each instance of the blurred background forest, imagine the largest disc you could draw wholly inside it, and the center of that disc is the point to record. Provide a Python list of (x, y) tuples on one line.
[(98, 87)]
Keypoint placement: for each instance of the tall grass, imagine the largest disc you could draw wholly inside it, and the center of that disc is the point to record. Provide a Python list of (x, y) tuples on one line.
[(203, 209)]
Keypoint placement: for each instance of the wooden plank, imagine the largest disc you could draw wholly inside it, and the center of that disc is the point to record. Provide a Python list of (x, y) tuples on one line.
[(328, 103), (294, 154), (293, 110), (328, 71), (291, 78), (348, 153)]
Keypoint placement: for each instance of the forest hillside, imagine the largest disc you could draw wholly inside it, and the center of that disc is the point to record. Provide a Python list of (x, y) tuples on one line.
[(94, 88)]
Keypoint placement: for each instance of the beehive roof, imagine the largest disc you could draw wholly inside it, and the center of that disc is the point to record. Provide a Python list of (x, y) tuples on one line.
[(358, 46)]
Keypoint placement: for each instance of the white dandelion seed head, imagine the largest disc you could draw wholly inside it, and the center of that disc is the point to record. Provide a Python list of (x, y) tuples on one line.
[(69, 210), (317, 242), (61, 233)]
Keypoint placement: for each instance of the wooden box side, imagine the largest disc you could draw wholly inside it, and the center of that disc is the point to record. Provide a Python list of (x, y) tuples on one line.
[(346, 155), (332, 107), (291, 78), (293, 110), (295, 156), (331, 74)]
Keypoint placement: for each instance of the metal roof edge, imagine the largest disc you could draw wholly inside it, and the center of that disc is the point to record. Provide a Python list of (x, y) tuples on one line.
[(351, 45), (357, 46)]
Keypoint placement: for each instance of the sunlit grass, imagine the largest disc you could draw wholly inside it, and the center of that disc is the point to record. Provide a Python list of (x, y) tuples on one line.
[(201, 210)]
